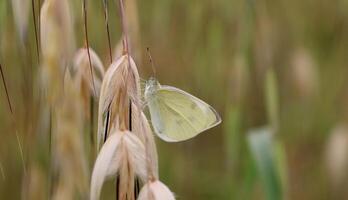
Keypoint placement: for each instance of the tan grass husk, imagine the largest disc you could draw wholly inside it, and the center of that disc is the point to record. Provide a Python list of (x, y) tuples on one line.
[(120, 85), (21, 16), (337, 155), (57, 45), (68, 147), (143, 131), (35, 184), (124, 154), (82, 72), (304, 73), (155, 190), (57, 32)]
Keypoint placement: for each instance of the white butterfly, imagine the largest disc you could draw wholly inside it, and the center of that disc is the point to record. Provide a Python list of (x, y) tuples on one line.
[(177, 115)]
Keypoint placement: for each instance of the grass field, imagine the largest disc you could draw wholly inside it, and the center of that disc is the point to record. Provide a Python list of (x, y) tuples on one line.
[(275, 71)]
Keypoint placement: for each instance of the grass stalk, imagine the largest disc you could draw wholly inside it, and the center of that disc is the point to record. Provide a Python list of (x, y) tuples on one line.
[(35, 29), (5, 86), (92, 121), (87, 42), (106, 18)]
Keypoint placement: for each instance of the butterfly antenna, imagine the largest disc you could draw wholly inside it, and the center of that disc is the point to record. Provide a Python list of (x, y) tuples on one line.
[(151, 61)]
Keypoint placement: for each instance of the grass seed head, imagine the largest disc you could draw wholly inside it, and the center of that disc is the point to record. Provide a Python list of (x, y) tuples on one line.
[(21, 16), (155, 190), (82, 73), (68, 146), (124, 154), (120, 85)]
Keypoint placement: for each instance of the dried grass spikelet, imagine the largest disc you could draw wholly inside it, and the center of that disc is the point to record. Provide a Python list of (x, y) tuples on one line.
[(265, 40), (304, 73), (34, 185), (238, 79), (57, 33), (21, 16), (121, 84), (155, 190), (124, 154), (337, 155), (64, 189), (118, 50), (68, 147), (143, 131), (82, 72), (57, 44)]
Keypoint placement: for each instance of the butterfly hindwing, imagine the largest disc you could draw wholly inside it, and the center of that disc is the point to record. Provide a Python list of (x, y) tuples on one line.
[(177, 115)]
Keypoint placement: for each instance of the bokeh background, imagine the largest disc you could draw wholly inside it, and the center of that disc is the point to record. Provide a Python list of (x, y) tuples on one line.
[(280, 64)]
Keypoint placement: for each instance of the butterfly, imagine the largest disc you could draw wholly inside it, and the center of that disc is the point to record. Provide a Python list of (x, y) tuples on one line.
[(177, 115)]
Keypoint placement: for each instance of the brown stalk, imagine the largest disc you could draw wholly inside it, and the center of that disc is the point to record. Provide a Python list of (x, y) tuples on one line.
[(39, 6), (92, 119), (87, 43), (36, 34), (4, 83), (106, 18)]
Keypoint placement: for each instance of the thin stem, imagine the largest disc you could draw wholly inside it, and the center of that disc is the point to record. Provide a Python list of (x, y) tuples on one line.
[(87, 43), (21, 152), (5, 86), (50, 187), (124, 30), (92, 120), (13, 120), (36, 34), (106, 18), (39, 27)]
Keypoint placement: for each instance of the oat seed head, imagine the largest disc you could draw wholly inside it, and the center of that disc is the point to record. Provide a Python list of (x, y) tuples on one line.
[(120, 84), (124, 154), (155, 190)]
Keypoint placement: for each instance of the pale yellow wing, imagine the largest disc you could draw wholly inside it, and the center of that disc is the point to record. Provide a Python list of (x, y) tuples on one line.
[(177, 115)]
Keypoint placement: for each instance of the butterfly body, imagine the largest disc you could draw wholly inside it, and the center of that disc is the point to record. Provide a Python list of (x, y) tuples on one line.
[(177, 115)]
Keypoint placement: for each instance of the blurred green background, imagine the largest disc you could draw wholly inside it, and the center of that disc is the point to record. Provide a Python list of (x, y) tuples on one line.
[(277, 63)]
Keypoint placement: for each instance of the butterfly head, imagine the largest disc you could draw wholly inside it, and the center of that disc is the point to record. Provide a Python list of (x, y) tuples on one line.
[(151, 86)]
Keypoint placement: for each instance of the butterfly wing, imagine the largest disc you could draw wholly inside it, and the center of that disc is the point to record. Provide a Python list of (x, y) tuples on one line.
[(177, 115)]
